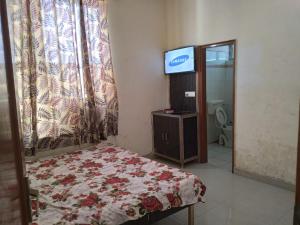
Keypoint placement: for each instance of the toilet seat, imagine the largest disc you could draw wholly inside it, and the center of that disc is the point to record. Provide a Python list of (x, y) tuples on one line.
[(221, 116)]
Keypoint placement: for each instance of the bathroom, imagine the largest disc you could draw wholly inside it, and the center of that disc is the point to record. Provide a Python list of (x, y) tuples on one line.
[(220, 104)]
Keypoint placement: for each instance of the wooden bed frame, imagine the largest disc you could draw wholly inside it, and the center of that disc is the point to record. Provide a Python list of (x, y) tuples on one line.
[(154, 217)]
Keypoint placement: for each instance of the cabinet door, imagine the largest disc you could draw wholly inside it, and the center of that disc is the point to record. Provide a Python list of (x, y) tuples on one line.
[(166, 136), (172, 138), (190, 137), (159, 128)]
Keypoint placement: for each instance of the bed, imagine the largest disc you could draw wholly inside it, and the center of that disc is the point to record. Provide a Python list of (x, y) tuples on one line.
[(109, 185)]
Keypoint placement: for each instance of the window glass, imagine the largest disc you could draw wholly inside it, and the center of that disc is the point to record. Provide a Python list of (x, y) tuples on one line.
[(211, 56)]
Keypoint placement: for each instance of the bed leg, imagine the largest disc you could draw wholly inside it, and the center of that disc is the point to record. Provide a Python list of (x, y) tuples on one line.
[(191, 215)]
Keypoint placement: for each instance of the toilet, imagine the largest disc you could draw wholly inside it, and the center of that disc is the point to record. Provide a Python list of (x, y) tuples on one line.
[(225, 137)]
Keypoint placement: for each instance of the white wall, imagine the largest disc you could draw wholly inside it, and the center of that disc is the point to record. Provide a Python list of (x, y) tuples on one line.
[(268, 73), (219, 86), (137, 32)]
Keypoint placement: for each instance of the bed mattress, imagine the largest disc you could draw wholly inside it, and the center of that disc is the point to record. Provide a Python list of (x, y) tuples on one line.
[(107, 185)]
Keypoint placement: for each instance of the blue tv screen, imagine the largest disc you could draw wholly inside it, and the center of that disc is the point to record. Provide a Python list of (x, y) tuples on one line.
[(180, 60)]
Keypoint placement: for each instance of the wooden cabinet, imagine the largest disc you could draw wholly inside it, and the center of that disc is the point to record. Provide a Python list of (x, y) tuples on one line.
[(175, 136), (166, 139)]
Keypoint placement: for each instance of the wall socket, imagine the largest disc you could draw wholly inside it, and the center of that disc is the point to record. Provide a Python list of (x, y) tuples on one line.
[(190, 94)]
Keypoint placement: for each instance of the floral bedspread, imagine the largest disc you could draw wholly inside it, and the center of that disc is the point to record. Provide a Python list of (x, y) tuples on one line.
[(107, 186)]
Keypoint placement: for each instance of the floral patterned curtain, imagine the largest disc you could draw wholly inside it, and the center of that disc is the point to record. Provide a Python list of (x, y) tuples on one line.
[(63, 66), (101, 106)]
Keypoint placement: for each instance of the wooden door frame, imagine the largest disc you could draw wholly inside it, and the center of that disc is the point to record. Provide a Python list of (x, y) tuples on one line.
[(201, 102), (297, 196), (13, 113)]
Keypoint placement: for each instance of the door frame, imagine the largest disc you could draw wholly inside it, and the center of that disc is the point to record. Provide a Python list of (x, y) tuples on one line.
[(23, 193), (297, 195), (201, 101)]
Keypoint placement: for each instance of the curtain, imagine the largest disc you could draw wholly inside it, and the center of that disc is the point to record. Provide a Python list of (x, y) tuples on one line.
[(63, 67), (100, 90)]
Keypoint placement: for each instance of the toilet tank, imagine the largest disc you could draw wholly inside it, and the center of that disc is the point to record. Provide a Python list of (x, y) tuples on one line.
[(212, 105)]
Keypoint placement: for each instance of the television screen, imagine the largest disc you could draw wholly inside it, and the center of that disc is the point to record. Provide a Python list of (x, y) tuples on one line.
[(180, 60)]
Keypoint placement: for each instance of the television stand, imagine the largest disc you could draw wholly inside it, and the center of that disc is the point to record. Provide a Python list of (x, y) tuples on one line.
[(175, 136)]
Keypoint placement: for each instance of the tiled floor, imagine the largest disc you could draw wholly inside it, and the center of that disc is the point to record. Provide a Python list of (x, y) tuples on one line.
[(235, 200), (220, 156)]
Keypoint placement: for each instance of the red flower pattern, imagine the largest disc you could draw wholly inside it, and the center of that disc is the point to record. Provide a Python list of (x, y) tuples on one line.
[(110, 150), (70, 217), (165, 175), (90, 200), (138, 174), (90, 164), (203, 189), (100, 178), (131, 212), (42, 205), (57, 197), (69, 179), (115, 180), (43, 176), (151, 204), (174, 200), (48, 163), (133, 160)]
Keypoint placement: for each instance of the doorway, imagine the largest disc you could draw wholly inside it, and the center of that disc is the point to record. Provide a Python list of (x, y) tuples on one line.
[(216, 103)]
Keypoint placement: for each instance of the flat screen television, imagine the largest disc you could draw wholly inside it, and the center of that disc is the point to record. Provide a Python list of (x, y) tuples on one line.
[(180, 60)]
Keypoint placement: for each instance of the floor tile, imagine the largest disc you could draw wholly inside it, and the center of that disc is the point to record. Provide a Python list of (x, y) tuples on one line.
[(233, 199), (287, 219)]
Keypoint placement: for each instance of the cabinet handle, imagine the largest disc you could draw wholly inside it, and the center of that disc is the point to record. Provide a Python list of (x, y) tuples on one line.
[(166, 138), (163, 136)]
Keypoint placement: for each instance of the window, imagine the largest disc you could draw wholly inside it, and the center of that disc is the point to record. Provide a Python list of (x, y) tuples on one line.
[(218, 54)]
